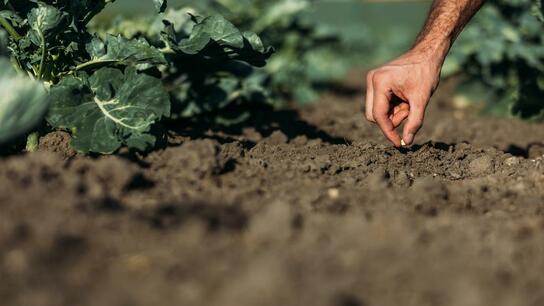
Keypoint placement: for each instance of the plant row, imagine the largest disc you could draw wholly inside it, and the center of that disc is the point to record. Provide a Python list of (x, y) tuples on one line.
[(113, 86)]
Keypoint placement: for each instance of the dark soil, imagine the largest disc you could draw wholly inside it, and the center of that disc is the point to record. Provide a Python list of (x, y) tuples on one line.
[(306, 207)]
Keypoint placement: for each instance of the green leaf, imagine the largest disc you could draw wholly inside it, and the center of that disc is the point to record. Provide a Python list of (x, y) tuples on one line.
[(538, 9), (109, 109), (11, 16), (80, 11), (280, 14), (160, 5), (216, 37), (309, 55), (116, 50), (305, 94), (23, 103), (3, 43), (213, 28), (45, 18), (48, 37)]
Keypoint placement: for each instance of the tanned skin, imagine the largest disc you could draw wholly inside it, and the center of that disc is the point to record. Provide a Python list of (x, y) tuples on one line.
[(400, 90)]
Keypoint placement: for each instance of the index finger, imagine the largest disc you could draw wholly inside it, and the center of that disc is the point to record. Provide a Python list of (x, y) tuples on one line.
[(369, 97), (381, 115)]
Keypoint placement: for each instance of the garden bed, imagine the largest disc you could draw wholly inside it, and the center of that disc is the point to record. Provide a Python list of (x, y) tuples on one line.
[(299, 207)]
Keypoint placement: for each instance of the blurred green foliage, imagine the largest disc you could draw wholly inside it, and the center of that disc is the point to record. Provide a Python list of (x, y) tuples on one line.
[(222, 79), (3, 43), (308, 54), (371, 32), (503, 50), (111, 91), (22, 105)]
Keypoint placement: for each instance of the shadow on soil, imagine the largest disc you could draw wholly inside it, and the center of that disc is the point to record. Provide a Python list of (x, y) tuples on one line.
[(431, 144), (263, 120), (518, 151)]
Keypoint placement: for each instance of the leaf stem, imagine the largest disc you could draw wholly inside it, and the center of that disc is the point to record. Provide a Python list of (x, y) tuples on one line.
[(11, 30), (167, 50), (93, 63), (15, 62), (43, 57)]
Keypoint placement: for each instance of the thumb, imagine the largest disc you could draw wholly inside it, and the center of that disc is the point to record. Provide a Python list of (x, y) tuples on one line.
[(414, 122), (381, 115)]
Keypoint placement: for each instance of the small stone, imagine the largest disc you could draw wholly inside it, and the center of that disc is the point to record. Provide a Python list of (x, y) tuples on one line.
[(536, 150), (455, 175), (512, 161), (252, 135), (480, 165), (462, 146), (277, 138), (300, 140)]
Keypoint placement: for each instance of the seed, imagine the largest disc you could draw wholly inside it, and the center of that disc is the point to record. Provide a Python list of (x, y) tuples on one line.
[(333, 193), (402, 143)]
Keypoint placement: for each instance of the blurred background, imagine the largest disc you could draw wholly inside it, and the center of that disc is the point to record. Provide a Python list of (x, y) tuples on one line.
[(497, 64), (389, 25)]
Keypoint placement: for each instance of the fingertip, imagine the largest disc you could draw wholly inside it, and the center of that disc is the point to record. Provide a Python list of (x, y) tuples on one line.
[(397, 144), (413, 125), (394, 138), (410, 130), (408, 138), (388, 129)]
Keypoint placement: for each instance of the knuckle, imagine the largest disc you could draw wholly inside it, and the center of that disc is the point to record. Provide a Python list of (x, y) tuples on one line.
[(418, 98), (380, 78), (415, 124)]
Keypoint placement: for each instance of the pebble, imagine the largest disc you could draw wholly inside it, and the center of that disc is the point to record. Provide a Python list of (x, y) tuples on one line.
[(512, 161), (481, 165), (277, 138), (455, 175), (536, 150)]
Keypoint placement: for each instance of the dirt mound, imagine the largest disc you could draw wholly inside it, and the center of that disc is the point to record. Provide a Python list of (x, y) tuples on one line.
[(320, 212)]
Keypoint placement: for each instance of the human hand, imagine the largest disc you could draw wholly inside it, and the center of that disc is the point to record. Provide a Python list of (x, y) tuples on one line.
[(399, 91)]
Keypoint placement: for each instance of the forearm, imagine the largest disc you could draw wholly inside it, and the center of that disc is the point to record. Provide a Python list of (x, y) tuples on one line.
[(446, 20)]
